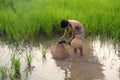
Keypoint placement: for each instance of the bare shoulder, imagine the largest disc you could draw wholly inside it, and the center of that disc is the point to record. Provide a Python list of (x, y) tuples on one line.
[(75, 23)]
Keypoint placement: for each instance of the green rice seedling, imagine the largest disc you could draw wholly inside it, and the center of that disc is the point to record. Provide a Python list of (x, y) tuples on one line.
[(44, 51), (3, 73), (99, 17), (12, 57), (15, 65), (28, 69), (11, 75), (28, 58)]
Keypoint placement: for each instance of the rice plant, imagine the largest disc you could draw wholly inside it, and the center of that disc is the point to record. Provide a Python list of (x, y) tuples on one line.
[(3, 73), (11, 75), (15, 66), (40, 17), (28, 69), (44, 51), (28, 58)]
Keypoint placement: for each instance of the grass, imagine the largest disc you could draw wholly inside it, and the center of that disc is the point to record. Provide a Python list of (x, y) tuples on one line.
[(28, 58), (15, 66), (28, 69), (26, 19), (3, 73), (13, 73)]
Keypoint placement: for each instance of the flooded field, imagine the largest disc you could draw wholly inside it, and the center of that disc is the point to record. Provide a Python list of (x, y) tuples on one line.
[(101, 61)]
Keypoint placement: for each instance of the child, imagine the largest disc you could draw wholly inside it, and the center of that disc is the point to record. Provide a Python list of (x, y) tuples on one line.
[(77, 29)]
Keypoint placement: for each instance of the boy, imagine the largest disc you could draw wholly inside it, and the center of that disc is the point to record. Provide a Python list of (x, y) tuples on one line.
[(77, 29)]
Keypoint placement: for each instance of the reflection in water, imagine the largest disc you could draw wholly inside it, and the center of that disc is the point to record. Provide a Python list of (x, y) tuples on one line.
[(100, 62), (81, 68), (108, 56)]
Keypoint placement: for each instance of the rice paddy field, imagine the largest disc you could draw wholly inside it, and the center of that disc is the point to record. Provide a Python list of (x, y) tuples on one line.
[(28, 19), (29, 29)]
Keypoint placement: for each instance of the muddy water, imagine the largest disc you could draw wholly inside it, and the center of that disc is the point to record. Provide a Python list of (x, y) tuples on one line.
[(101, 61)]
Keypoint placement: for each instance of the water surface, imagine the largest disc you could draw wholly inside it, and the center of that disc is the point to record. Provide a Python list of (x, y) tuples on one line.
[(101, 61)]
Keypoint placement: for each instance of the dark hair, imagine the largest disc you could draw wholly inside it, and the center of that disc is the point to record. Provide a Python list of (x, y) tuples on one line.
[(64, 23)]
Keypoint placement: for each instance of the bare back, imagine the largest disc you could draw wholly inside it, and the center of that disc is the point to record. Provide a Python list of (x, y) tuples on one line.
[(77, 27)]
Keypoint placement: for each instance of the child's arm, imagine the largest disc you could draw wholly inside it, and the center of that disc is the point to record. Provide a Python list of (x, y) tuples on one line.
[(65, 32), (73, 35)]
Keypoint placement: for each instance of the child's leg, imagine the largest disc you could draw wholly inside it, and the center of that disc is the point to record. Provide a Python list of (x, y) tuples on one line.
[(81, 51), (75, 50)]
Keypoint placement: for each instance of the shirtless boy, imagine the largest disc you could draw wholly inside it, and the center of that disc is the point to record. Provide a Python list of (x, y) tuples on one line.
[(77, 29)]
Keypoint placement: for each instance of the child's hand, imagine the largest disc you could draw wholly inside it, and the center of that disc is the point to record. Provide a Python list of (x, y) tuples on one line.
[(68, 42)]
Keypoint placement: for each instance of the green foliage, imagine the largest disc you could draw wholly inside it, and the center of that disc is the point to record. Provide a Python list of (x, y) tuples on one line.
[(15, 66), (3, 73), (25, 19), (44, 51), (28, 58), (11, 75)]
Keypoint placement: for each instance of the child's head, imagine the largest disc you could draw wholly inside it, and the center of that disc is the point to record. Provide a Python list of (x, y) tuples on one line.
[(64, 23)]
